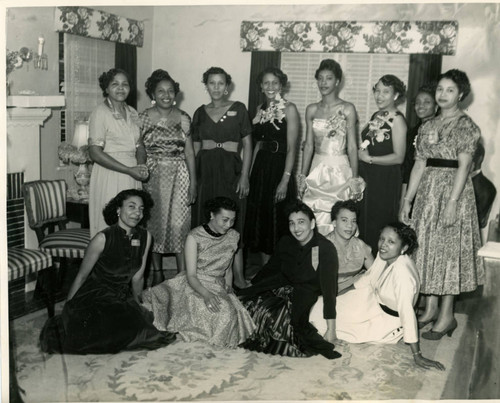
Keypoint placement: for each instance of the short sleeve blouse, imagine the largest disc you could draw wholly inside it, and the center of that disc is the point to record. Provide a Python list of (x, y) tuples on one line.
[(232, 126)]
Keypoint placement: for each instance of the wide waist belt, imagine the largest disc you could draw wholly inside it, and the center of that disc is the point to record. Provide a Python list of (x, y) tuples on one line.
[(441, 163), (273, 146), (231, 146), (389, 311)]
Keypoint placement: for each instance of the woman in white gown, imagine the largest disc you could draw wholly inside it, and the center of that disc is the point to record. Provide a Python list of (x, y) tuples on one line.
[(380, 307), (331, 145)]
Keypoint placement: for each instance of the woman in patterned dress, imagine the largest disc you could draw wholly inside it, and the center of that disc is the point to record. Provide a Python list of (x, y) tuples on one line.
[(331, 137), (272, 184), (170, 160), (199, 303), (114, 146), (221, 133), (382, 151), (444, 210)]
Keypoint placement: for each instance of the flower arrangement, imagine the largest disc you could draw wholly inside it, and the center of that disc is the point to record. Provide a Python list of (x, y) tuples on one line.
[(16, 58), (275, 111), (69, 153)]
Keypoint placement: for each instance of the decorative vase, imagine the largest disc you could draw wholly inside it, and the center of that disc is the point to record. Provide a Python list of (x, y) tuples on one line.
[(82, 177)]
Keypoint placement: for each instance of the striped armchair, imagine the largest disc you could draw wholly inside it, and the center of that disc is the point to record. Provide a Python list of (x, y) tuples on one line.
[(22, 263), (45, 202)]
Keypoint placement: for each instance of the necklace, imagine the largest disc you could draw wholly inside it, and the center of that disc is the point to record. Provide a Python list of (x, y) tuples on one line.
[(211, 231)]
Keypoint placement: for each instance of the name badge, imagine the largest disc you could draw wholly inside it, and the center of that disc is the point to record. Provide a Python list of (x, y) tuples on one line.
[(232, 113), (136, 242)]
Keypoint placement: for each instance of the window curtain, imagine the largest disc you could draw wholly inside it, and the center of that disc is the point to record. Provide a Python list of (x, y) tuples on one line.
[(85, 59), (126, 59), (424, 68), (260, 60)]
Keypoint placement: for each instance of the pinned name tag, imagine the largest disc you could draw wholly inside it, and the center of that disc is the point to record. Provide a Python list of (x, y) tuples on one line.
[(232, 113), (136, 242)]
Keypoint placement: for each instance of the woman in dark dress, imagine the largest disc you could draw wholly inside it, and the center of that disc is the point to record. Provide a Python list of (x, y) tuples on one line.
[(102, 313), (303, 266), (221, 130), (425, 108), (272, 184), (382, 151)]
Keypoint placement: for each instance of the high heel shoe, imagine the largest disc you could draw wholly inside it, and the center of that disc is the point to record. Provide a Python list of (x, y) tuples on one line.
[(432, 335)]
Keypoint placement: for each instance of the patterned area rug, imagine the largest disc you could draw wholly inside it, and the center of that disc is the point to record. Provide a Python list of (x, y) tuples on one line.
[(196, 371)]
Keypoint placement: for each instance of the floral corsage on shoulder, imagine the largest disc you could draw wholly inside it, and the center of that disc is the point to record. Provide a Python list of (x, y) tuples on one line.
[(336, 124), (274, 112), (376, 131)]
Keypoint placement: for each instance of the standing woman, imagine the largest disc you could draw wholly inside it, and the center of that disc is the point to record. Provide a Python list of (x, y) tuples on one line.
[(425, 108), (444, 211), (221, 130), (170, 160), (272, 184), (383, 143), (114, 147), (331, 138)]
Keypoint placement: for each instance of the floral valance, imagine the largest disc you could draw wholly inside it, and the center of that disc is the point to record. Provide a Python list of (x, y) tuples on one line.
[(438, 37), (97, 24)]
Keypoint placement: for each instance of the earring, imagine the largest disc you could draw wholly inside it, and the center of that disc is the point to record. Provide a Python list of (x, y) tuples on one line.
[(174, 103), (206, 91), (153, 102), (226, 92)]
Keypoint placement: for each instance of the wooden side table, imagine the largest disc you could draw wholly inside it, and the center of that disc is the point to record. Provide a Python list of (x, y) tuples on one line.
[(78, 211)]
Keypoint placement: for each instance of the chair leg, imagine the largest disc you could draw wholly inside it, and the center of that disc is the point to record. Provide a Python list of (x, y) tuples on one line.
[(46, 287)]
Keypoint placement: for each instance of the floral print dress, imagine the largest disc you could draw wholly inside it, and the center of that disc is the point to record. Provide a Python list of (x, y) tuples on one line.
[(447, 258), (380, 204)]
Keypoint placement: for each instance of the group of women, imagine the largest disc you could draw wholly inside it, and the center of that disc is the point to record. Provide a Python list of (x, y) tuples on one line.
[(317, 274)]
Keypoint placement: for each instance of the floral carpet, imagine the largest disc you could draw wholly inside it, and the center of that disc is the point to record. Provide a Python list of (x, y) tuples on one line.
[(196, 371)]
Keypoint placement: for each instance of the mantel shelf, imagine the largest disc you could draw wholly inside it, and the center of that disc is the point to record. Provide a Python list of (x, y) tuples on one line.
[(35, 101)]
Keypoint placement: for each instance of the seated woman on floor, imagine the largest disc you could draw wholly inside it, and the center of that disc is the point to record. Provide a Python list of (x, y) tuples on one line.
[(303, 266), (102, 313), (199, 303), (379, 308)]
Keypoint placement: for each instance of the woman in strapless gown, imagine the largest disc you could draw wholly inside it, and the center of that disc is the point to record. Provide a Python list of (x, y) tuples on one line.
[(331, 137)]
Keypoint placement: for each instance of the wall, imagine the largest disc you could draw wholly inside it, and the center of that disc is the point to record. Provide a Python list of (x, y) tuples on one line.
[(190, 39), (23, 26)]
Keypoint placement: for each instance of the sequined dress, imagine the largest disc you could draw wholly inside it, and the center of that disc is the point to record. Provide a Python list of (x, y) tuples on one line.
[(177, 307), (168, 181), (330, 169)]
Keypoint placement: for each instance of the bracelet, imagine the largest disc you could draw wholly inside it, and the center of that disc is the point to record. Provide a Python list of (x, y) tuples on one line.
[(287, 173), (453, 200), (407, 198), (417, 353), (371, 160)]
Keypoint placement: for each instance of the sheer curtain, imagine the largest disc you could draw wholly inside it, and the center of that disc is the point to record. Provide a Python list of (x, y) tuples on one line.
[(85, 59)]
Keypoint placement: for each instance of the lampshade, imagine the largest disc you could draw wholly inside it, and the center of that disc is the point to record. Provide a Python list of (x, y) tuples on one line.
[(81, 134)]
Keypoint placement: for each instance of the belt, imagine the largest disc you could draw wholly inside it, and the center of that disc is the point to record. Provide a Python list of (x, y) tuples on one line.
[(273, 146), (389, 311), (227, 145), (441, 163)]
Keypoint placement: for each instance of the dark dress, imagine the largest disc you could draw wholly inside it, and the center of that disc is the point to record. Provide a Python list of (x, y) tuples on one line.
[(380, 203), (484, 192), (266, 222), (103, 317), (283, 293), (217, 170), (409, 160)]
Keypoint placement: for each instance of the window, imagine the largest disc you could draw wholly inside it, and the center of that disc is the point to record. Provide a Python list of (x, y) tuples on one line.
[(84, 61)]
